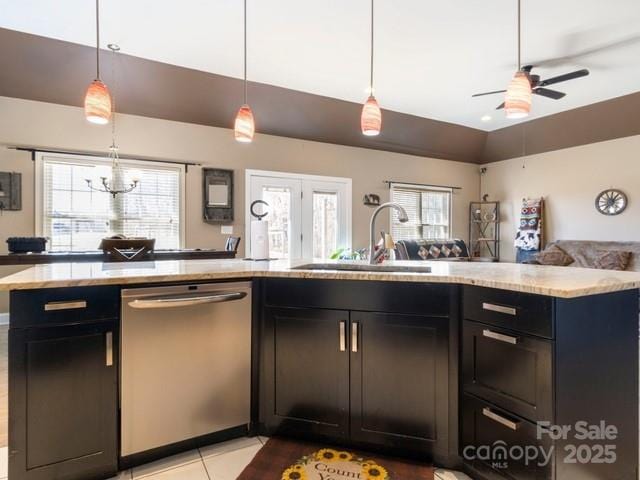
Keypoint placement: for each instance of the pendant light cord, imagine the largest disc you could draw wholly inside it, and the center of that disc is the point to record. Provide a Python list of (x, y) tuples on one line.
[(519, 37), (113, 98), (371, 78), (97, 39), (245, 52)]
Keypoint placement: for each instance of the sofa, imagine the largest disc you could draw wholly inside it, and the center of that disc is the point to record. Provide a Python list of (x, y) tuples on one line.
[(585, 252), (453, 249)]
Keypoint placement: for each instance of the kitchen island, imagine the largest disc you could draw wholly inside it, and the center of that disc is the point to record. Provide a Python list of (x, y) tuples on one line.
[(431, 365)]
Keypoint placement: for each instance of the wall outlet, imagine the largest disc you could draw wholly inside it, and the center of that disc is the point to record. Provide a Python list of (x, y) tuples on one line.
[(226, 229)]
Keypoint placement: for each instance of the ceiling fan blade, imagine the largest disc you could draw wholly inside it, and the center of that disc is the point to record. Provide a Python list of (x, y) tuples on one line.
[(563, 78), (488, 93), (500, 106), (546, 92)]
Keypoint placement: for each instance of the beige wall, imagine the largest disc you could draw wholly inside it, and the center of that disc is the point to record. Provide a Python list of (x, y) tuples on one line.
[(25, 122), (569, 180)]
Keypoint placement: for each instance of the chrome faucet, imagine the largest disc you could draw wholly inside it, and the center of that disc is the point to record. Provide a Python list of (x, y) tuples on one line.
[(402, 217)]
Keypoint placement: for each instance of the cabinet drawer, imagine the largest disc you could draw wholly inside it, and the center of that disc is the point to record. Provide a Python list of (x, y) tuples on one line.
[(510, 370), (522, 312), (63, 306), (484, 425)]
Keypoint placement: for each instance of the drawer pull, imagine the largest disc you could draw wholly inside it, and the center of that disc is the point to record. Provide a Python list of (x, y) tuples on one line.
[(343, 336), (487, 412), (492, 307), (500, 337), (52, 306)]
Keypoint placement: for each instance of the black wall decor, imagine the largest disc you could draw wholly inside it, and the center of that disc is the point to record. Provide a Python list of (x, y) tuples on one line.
[(217, 195), (10, 191)]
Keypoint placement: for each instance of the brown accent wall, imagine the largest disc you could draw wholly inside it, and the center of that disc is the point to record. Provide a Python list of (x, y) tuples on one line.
[(598, 122), (43, 69)]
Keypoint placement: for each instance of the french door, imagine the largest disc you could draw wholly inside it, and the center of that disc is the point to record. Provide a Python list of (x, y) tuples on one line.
[(309, 216)]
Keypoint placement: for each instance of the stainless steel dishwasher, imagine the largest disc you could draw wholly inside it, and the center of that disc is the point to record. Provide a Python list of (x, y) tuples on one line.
[(185, 362)]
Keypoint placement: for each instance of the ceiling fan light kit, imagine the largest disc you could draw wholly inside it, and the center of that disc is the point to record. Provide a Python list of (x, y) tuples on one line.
[(517, 100), (97, 99), (244, 126), (518, 95)]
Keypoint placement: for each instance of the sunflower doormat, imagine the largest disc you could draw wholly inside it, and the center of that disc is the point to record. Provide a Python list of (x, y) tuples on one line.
[(286, 459)]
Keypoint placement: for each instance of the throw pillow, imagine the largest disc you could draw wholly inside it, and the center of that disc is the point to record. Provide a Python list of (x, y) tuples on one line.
[(554, 255), (612, 260)]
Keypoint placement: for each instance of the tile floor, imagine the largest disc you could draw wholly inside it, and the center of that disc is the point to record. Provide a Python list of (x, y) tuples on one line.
[(222, 461)]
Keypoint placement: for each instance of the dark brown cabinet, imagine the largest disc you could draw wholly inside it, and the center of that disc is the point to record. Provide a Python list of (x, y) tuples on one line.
[(63, 396), (569, 362), (509, 369), (308, 364), (399, 382), (374, 378)]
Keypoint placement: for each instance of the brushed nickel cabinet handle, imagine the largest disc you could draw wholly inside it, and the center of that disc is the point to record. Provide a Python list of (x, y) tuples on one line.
[(109, 348), (487, 412), (76, 304), (343, 336), (499, 308), (354, 337), (500, 337)]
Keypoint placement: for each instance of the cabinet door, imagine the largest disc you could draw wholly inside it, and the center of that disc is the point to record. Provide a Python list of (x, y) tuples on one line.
[(63, 396), (306, 372), (399, 381)]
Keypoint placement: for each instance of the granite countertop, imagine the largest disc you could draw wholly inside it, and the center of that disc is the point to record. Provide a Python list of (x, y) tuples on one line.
[(565, 282)]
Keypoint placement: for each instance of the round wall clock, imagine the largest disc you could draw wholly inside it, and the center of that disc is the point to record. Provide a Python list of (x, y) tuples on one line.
[(611, 202)]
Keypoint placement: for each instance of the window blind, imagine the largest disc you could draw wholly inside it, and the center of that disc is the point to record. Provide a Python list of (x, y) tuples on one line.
[(429, 212), (76, 218)]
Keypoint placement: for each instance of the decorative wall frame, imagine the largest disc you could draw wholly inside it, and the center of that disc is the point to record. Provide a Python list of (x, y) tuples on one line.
[(10, 191), (217, 195)]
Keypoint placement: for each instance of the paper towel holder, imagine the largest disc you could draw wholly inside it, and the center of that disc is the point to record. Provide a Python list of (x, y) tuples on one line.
[(259, 216)]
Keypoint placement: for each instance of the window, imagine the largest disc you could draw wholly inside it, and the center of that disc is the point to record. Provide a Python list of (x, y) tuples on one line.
[(429, 211), (75, 218), (309, 215)]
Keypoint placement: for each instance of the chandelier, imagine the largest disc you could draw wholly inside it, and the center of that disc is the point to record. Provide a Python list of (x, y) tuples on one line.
[(117, 184)]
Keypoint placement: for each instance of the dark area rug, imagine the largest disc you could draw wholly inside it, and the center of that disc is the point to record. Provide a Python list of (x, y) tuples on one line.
[(288, 459)]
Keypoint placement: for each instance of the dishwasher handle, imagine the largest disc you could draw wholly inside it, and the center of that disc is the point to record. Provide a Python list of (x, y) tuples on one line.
[(185, 301)]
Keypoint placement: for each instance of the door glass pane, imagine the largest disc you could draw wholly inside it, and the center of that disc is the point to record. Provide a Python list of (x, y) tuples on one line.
[(279, 200), (325, 224)]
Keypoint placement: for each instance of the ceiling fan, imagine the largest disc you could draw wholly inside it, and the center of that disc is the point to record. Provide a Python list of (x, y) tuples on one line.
[(517, 98), (538, 86)]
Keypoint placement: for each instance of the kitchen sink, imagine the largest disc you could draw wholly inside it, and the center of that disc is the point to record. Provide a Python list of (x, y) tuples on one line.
[(363, 267)]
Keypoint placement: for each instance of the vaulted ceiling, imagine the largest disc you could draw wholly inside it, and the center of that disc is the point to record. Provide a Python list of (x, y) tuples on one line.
[(430, 56)]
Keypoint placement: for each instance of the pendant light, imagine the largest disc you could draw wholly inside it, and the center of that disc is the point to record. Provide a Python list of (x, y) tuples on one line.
[(244, 127), (97, 100), (371, 118), (517, 100), (117, 184)]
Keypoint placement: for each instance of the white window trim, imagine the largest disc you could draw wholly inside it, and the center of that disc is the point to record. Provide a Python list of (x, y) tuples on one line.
[(426, 188), (249, 173), (70, 157)]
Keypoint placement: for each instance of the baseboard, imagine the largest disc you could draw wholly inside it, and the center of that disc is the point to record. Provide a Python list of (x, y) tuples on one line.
[(4, 319)]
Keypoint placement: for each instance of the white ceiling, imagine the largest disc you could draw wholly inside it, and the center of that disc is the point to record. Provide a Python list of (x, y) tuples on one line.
[(430, 55)]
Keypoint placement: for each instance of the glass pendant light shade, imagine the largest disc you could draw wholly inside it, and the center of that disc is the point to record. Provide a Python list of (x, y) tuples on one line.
[(244, 126), (371, 119), (517, 100), (97, 103)]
